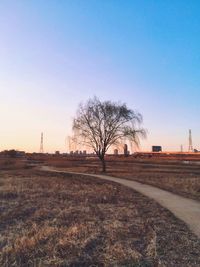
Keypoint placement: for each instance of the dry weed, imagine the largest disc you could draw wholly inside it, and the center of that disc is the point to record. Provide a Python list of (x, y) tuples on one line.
[(67, 220)]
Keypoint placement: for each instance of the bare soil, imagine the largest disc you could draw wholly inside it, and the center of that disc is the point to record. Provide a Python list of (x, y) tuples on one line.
[(49, 219)]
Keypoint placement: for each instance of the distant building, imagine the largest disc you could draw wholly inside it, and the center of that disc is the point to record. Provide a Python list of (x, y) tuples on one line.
[(125, 150), (57, 152), (115, 152), (156, 149)]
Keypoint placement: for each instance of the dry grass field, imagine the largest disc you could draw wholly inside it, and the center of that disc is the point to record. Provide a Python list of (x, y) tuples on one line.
[(13, 164), (179, 176), (49, 219), (182, 179)]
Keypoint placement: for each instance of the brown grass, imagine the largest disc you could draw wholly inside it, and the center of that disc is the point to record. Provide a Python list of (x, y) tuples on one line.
[(13, 164), (177, 177), (68, 220), (172, 175)]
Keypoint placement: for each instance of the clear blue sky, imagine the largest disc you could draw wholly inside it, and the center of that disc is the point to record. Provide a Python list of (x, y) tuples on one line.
[(56, 54)]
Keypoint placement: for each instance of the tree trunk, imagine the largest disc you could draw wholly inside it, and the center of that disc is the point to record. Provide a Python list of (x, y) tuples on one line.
[(103, 165), (103, 162)]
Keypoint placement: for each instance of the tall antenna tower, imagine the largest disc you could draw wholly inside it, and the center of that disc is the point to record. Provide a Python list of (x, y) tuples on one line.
[(181, 148), (190, 142), (41, 144)]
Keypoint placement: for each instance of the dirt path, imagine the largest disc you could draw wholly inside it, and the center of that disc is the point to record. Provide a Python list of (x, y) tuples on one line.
[(187, 210)]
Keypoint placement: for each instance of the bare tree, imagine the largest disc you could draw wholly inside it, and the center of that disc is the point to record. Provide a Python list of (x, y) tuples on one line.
[(100, 125)]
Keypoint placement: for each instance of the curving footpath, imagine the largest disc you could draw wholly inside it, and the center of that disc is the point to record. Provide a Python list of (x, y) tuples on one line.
[(186, 209)]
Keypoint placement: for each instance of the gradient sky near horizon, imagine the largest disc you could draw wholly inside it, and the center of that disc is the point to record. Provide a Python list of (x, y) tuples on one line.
[(56, 54)]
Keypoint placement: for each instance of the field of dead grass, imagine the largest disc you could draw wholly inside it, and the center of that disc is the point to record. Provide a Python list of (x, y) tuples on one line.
[(177, 177), (49, 219), (172, 175), (13, 164)]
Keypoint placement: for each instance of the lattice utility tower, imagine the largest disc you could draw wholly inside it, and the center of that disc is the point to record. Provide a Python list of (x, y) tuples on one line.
[(190, 142), (41, 144), (181, 148)]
